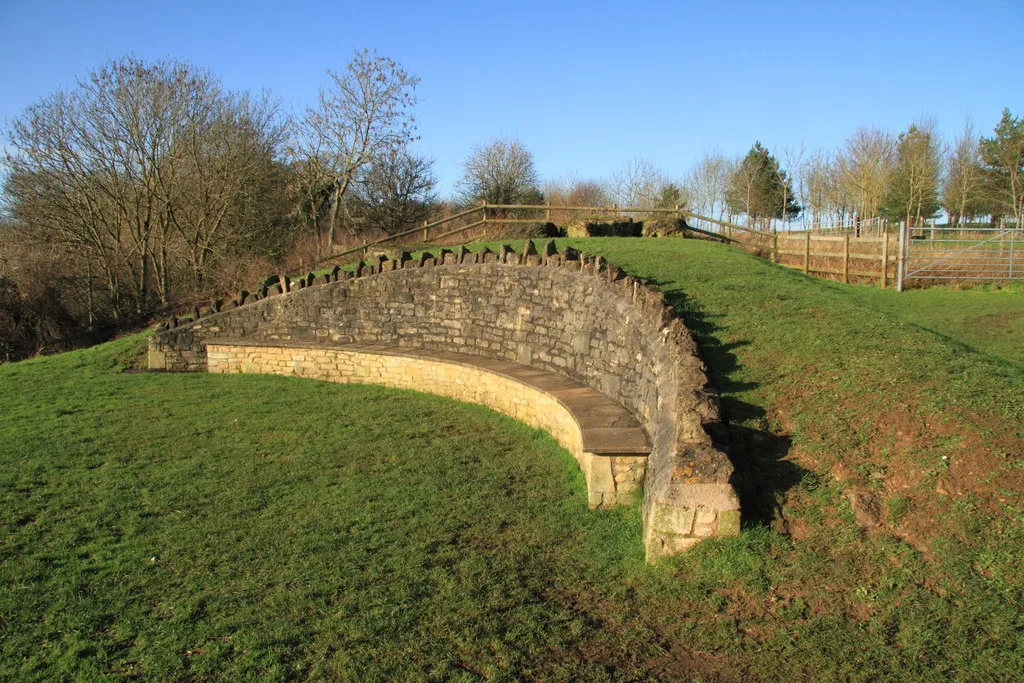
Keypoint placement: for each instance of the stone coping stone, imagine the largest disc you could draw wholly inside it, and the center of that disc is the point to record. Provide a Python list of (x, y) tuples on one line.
[(607, 427)]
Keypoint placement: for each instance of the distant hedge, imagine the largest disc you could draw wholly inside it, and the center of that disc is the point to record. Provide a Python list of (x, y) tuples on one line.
[(628, 228)]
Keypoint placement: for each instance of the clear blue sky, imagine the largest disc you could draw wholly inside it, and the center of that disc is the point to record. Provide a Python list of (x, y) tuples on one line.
[(587, 87)]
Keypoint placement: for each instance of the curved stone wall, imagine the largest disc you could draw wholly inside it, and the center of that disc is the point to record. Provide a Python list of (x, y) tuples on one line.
[(566, 313)]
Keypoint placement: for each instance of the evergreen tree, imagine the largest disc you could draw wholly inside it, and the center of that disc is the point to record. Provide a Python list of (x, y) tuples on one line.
[(913, 192), (1003, 158), (760, 189)]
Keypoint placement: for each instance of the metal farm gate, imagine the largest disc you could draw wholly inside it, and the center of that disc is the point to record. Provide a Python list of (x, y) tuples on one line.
[(950, 252)]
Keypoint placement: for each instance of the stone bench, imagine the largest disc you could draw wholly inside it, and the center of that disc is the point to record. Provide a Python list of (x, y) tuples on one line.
[(607, 440)]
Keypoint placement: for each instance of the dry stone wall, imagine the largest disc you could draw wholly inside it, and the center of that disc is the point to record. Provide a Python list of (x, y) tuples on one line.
[(567, 313)]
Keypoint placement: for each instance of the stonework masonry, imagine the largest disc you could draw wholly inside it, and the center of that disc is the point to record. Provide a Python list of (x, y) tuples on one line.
[(568, 314)]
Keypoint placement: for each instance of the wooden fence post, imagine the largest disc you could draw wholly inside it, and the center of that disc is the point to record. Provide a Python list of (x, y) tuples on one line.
[(426, 231), (773, 252), (1013, 234), (885, 256), (807, 252), (846, 258), (899, 259)]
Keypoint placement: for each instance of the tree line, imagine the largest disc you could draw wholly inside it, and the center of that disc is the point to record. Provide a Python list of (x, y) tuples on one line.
[(912, 176), (150, 186)]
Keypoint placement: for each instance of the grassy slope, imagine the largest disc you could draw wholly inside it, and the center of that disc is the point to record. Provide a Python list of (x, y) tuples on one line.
[(198, 526), (837, 399), (194, 526), (988, 319)]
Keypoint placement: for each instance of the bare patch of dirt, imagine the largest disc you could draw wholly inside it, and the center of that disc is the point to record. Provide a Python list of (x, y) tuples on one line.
[(905, 465)]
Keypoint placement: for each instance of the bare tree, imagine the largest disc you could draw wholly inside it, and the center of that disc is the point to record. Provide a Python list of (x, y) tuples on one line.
[(570, 190), (637, 183), (397, 191), (794, 160), (499, 172), (363, 113), (136, 163), (707, 182), (228, 160), (866, 166), (964, 181), (822, 192)]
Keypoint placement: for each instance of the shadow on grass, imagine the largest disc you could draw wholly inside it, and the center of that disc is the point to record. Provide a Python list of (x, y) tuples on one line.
[(763, 474)]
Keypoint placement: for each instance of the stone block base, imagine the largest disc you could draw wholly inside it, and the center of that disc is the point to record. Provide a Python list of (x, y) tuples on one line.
[(688, 514)]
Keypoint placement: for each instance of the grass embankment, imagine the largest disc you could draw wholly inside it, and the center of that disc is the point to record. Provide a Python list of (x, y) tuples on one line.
[(176, 526)]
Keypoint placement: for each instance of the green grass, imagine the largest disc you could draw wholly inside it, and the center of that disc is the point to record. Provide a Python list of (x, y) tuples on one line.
[(223, 527), (988, 318)]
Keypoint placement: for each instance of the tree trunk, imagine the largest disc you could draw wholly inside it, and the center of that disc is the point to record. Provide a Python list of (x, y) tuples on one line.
[(90, 305), (335, 201), (161, 267)]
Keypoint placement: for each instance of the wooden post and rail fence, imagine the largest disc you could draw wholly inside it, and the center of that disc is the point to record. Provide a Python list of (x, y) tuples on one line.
[(846, 257), (499, 215)]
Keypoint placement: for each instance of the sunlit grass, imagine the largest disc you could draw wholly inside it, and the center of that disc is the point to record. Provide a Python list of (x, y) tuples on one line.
[(196, 527)]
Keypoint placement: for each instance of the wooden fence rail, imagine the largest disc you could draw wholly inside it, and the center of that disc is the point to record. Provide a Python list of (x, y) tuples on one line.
[(844, 256), (487, 216)]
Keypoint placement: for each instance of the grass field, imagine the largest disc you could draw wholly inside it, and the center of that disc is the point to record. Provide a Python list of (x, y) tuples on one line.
[(223, 527)]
